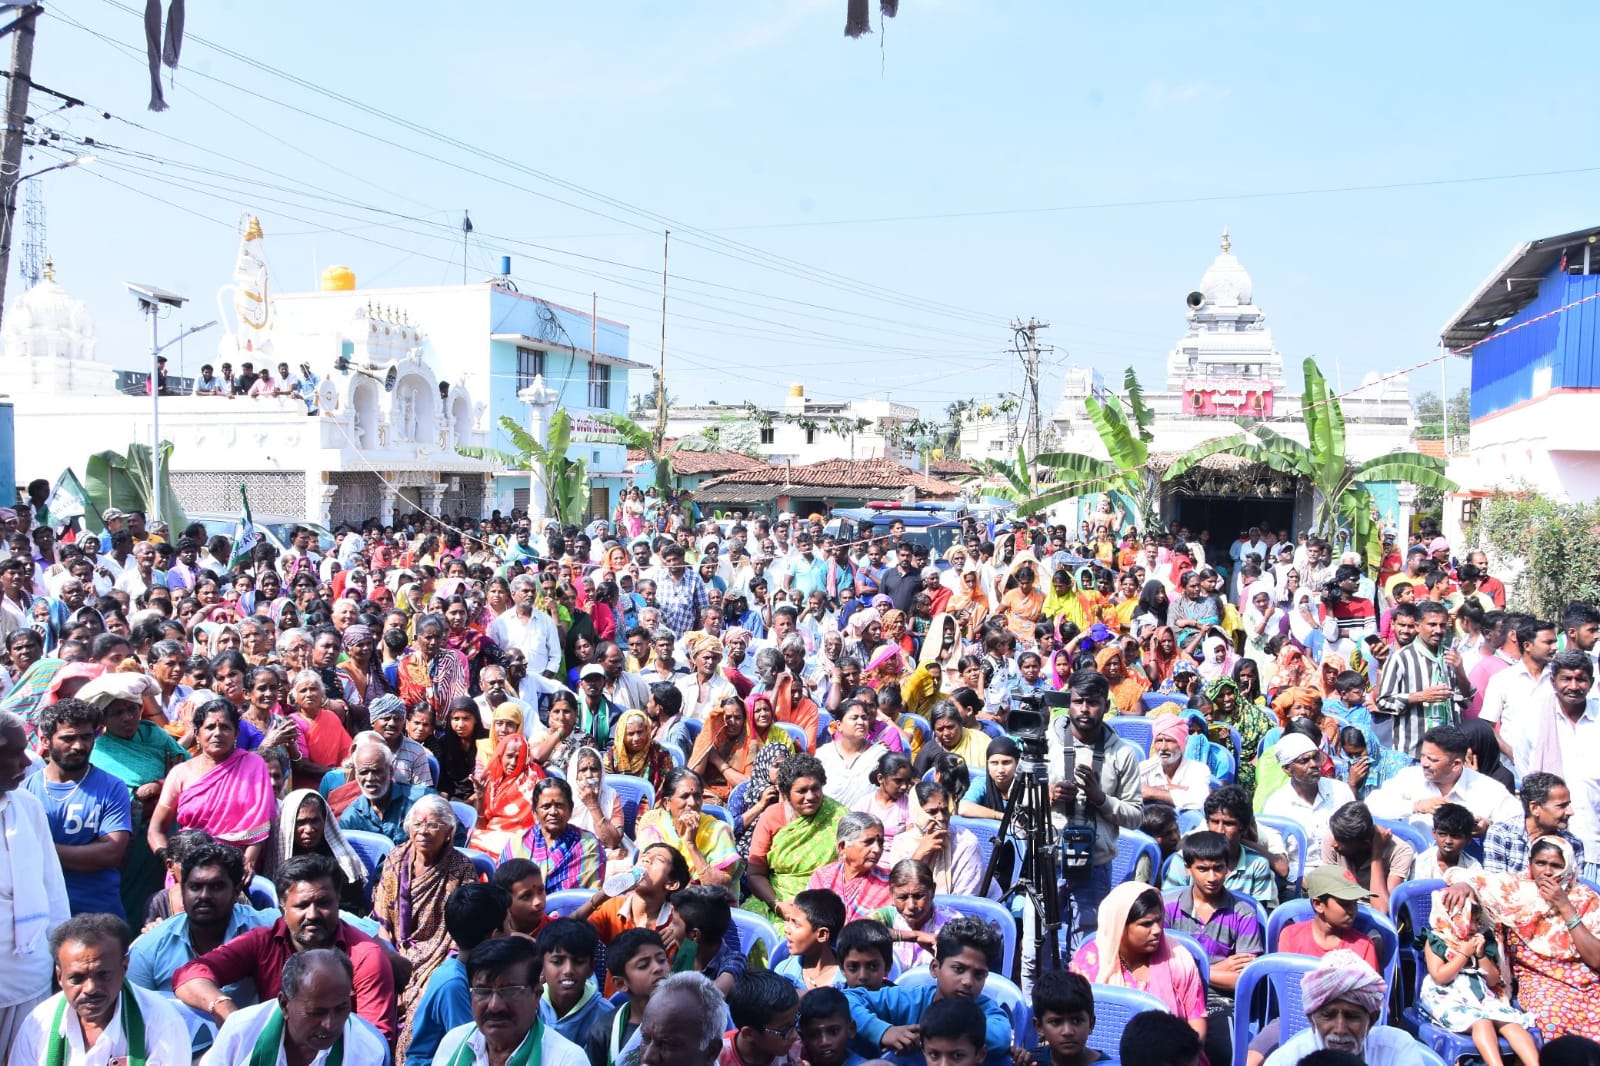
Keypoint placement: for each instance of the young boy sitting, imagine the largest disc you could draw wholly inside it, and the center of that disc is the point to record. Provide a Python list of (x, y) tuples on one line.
[(637, 961), (810, 926), (1063, 1012), (826, 1030), (708, 941), (865, 950), (953, 1033), (886, 1020), (1224, 923), (1453, 826), (473, 914), (525, 882), (570, 1003), (1335, 902), (664, 871), (763, 1007)]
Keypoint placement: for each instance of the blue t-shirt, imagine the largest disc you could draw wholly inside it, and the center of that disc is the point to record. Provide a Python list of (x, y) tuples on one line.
[(81, 812), (444, 1005)]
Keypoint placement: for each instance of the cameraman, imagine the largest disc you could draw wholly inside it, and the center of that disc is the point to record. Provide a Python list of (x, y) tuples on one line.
[(1355, 614), (1094, 786)]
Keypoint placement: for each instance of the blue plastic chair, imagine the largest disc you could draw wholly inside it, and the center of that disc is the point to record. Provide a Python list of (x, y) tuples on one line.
[(796, 734), (466, 814), (824, 724), (692, 727), (632, 791), (1268, 988), (433, 764), (567, 900), (997, 915), (984, 829), (1407, 902), (1593, 887), (1003, 992), (1131, 846), (753, 927), (923, 726), (480, 862), (991, 729), (1296, 832), (679, 756), (263, 893), (1154, 701), (372, 848), (1371, 922), (1201, 959), (1419, 841), (1114, 1007), (717, 812), (1139, 732), (1430, 1057)]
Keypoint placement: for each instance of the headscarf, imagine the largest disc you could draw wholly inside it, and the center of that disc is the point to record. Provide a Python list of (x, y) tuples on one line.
[(1209, 668), (933, 645), (1284, 703), (333, 839), (355, 634), (1292, 667), (1343, 975), (1158, 666), (1165, 964), (767, 758), (1301, 625), (631, 765), (857, 625), (1484, 742), (608, 797)]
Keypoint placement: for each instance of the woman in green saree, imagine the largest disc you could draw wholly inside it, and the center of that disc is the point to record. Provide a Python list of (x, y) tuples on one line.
[(793, 839), (139, 753)]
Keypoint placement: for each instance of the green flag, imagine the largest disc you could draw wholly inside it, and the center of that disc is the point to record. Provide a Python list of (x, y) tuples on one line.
[(245, 537), (67, 500)]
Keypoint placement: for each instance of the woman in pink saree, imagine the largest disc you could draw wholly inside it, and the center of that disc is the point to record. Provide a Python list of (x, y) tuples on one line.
[(223, 789)]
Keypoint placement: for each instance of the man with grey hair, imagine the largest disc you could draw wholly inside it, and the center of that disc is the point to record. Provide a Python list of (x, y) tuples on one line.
[(310, 1021), (683, 1024), (505, 979), (381, 803), (528, 629), (98, 1017), (37, 903)]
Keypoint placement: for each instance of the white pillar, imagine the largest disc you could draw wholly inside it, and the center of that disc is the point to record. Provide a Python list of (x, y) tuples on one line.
[(541, 402), (386, 505)]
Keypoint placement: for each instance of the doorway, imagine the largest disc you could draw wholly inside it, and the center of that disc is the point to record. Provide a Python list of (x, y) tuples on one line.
[(1224, 518)]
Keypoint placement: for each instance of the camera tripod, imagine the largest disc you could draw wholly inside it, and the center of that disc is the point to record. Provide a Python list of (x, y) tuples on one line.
[(1026, 822)]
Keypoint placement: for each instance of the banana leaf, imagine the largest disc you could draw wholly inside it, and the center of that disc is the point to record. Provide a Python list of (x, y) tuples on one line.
[(124, 482)]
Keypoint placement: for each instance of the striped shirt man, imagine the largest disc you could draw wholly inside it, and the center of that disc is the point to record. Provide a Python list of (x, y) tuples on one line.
[(1413, 669)]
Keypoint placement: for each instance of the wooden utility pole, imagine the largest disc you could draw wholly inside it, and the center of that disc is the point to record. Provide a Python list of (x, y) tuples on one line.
[(16, 130), (661, 368)]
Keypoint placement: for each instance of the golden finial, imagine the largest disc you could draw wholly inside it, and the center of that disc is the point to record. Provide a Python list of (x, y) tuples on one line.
[(252, 229), (1227, 245), (49, 270)]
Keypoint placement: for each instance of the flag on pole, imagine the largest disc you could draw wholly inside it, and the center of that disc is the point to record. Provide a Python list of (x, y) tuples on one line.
[(67, 500), (245, 537)]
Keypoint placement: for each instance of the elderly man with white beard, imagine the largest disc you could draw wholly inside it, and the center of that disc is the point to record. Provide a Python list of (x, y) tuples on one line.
[(1342, 998)]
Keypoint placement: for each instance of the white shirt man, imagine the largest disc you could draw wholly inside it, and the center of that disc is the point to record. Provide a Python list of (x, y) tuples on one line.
[(236, 1040), (166, 1037), (1573, 753), (1510, 692), (534, 633), (1302, 760), (1442, 776)]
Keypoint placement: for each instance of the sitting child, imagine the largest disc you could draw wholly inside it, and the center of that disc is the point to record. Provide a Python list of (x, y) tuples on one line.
[(570, 1003), (865, 953), (810, 926), (525, 882), (888, 1019), (764, 1007), (1465, 990), (826, 1030), (1335, 902), (708, 941), (953, 1033), (1063, 1013), (1453, 826), (663, 871), (637, 962)]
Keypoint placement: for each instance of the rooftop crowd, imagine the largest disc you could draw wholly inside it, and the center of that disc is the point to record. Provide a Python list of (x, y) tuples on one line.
[(469, 791)]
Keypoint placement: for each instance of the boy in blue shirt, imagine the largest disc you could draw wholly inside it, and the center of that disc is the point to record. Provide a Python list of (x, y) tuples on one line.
[(866, 954), (826, 1029), (473, 914), (91, 820), (570, 1002), (953, 1033), (887, 1020), (810, 927)]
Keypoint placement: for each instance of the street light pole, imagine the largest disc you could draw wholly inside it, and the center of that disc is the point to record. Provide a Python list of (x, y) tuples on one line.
[(151, 300)]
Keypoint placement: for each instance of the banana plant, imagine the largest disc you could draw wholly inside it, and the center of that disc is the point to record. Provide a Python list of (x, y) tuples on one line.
[(637, 438), (126, 481), (565, 480), (1125, 476), (1342, 498), (1017, 478)]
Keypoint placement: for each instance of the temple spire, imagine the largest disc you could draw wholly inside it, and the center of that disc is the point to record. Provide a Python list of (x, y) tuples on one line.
[(1227, 245)]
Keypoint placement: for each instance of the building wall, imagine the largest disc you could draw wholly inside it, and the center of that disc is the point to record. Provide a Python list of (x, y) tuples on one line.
[(1561, 352)]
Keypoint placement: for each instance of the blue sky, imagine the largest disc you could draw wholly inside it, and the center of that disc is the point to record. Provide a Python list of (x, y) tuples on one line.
[(790, 157)]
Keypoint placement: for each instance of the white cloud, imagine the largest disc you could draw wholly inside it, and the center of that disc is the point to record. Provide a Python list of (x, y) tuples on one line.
[(1159, 96)]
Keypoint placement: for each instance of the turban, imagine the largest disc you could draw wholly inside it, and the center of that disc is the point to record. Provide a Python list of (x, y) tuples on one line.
[(118, 685), (703, 643), (1343, 975), (384, 706), (1172, 725), (355, 634), (737, 631)]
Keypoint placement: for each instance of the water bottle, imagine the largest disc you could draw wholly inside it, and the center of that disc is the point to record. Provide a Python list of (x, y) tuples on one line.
[(622, 881)]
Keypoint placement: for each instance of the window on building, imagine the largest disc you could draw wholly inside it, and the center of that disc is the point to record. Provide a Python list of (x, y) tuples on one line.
[(768, 435), (530, 364), (811, 435), (599, 385)]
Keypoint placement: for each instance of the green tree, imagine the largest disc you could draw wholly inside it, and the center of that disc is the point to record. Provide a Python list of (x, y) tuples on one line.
[(1342, 497), (1556, 544), (1125, 430), (637, 438), (565, 479), (1430, 415)]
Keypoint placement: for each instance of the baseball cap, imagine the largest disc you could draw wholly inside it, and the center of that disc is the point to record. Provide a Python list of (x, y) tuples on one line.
[(592, 670), (1292, 746), (111, 514), (1336, 881)]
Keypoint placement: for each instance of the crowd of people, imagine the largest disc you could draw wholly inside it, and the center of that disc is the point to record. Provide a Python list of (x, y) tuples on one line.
[(469, 792)]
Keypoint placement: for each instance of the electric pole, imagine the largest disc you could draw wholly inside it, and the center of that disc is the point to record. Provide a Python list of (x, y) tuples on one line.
[(1025, 338), (661, 369), (16, 130)]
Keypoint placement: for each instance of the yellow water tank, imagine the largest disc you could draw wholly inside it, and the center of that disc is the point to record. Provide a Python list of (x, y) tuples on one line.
[(338, 279)]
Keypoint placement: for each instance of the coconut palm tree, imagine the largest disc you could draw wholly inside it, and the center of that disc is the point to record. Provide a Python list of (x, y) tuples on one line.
[(1342, 497), (565, 480)]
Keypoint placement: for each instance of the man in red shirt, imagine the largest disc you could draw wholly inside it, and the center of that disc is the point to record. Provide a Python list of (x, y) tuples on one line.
[(1491, 587), (308, 885)]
